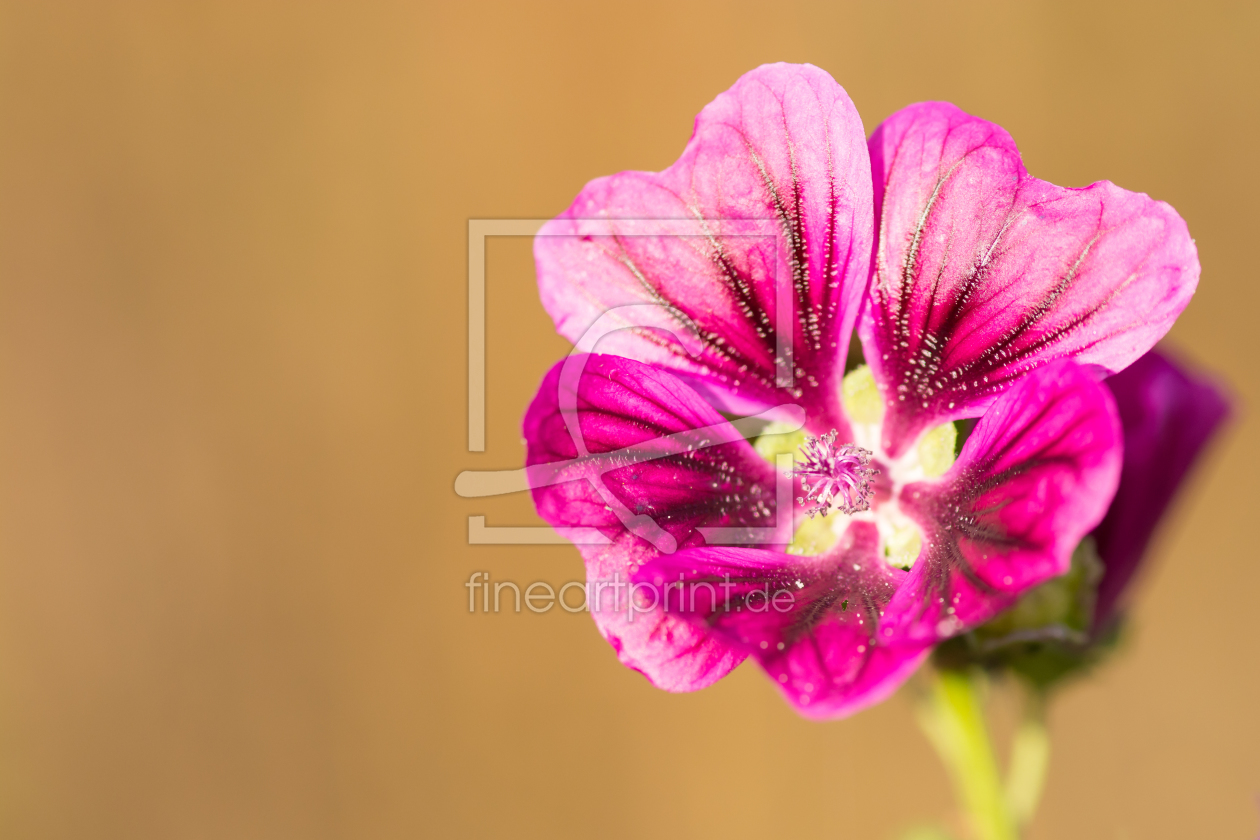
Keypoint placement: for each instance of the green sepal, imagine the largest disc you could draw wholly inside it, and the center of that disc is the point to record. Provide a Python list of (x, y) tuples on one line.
[(1048, 635)]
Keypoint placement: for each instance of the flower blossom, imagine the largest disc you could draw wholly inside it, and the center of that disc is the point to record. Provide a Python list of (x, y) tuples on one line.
[(733, 282)]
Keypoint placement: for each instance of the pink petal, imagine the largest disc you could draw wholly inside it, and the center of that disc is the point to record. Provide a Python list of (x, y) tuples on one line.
[(774, 184), (1033, 479), (642, 506), (673, 654), (984, 273), (811, 622)]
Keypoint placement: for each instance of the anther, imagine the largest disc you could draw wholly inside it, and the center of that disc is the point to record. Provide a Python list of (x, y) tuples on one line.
[(834, 477)]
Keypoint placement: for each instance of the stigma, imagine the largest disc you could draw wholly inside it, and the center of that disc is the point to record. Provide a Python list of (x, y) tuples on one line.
[(834, 477)]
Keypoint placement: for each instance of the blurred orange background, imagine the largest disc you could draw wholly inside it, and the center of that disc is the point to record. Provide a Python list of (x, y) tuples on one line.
[(233, 405)]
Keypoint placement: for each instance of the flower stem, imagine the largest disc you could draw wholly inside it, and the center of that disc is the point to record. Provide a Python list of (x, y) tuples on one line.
[(1030, 758), (952, 716)]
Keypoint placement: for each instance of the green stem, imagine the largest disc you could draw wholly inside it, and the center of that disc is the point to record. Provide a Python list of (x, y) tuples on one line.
[(953, 718), (1030, 758)]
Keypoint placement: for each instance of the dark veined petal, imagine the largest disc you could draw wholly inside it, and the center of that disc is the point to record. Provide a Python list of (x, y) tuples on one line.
[(648, 463), (744, 262), (811, 622), (984, 273), (1168, 417), (1035, 476)]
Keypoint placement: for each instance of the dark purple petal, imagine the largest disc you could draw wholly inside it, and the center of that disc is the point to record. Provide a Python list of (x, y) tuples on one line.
[(1168, 417), (1035, 477), (770, 198), (642, 506), (811, 622), (984, 273)]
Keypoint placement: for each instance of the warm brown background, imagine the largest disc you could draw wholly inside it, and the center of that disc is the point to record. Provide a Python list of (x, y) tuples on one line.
[(232, 326)]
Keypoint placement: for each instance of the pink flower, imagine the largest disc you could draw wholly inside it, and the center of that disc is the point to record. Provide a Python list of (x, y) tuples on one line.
[(742, 269)]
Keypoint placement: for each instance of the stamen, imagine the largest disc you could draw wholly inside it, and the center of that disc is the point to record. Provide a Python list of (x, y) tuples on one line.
[(843, 477)]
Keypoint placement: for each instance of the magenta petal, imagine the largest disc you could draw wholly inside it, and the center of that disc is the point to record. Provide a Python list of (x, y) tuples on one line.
[(713, 478), (984, 272), (811, 622), (1168, 417), (774, 185), (1033, 479), (674, 654), (642, 506)]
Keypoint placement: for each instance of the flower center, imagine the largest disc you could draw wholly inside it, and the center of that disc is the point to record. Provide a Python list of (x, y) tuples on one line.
[(834, 477)]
